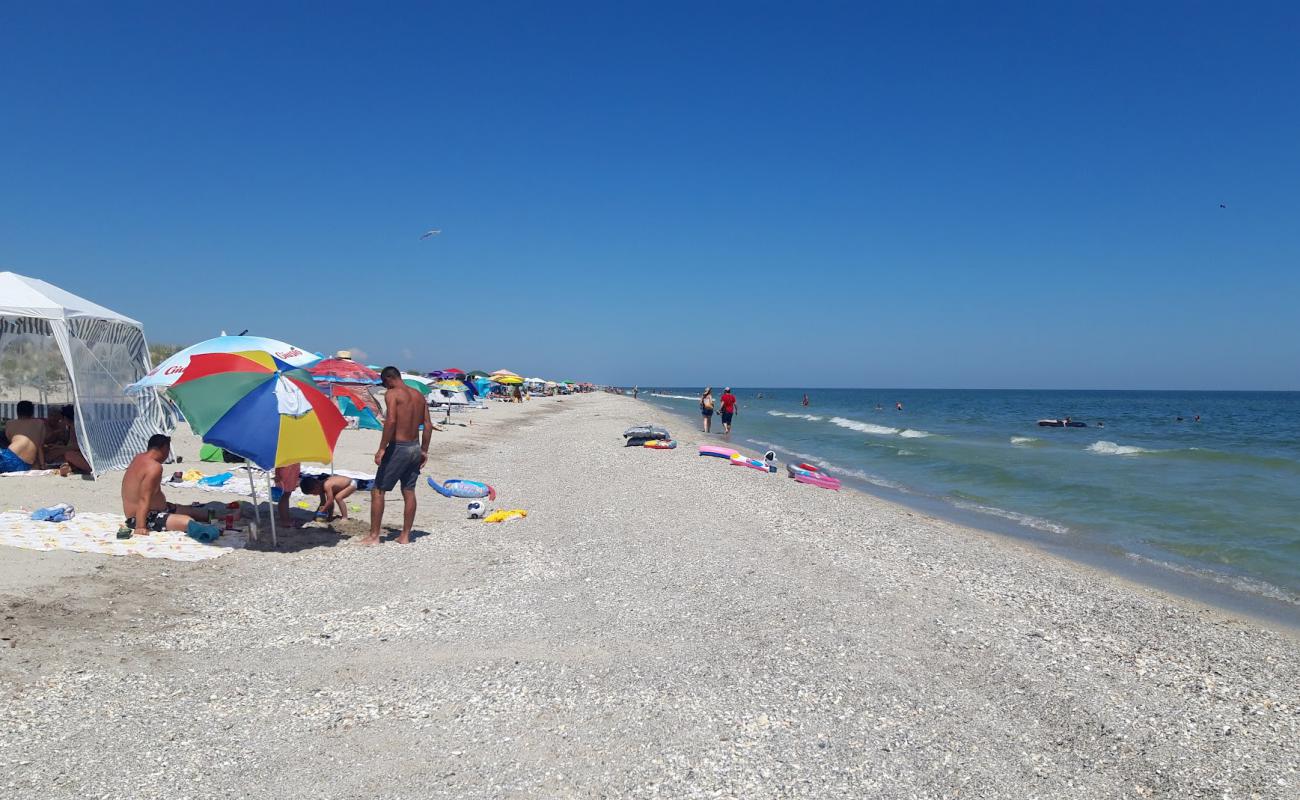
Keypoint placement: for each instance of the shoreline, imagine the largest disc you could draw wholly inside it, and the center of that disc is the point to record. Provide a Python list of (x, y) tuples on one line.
[(1200, 590), (661, 625)]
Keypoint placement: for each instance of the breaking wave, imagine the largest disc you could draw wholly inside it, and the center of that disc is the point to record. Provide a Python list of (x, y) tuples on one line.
[(1240, 583), (1112, 449), (809, 417), (1037, 523), (878, 430)]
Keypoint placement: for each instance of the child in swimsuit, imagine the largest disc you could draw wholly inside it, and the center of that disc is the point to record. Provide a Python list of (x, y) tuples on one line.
[(332, 490)]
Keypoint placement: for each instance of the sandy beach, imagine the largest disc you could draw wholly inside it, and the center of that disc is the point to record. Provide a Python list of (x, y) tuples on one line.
[(661, 625)]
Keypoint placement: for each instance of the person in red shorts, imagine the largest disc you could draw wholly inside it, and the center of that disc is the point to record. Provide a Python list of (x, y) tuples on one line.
[(728, 401)]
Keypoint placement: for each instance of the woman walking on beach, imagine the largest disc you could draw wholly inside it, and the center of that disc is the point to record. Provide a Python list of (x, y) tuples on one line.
[(706, 408)]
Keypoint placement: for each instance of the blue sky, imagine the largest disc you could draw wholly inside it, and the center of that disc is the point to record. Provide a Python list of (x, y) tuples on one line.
[(848, 194)]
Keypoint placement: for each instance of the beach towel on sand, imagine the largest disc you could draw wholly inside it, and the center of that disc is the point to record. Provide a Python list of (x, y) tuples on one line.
[(97, 533)]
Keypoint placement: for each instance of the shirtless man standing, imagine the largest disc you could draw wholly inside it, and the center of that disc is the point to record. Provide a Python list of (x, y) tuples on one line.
[(400, 457), (143, 503)]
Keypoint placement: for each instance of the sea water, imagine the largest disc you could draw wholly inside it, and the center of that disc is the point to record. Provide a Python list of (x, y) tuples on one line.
[(1146, 481)]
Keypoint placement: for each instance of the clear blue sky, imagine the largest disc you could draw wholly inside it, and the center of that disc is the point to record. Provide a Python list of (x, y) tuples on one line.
[(851, 194)]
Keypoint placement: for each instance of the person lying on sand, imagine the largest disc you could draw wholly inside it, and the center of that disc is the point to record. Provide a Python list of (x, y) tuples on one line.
[(332, 490), (143, 502)]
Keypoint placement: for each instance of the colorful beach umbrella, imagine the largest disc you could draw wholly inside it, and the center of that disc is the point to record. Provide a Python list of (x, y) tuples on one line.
[(166, 373), (453, 371), (508, 380), (451, 386), (342, 370), (504, 373), (419, 383), (259, 407)]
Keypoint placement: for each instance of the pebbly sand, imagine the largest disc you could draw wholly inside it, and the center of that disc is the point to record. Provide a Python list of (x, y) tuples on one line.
[(661, 625)]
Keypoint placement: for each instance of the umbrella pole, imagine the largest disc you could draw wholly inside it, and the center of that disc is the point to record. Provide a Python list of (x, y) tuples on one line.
[(271, 509), (252, 487)]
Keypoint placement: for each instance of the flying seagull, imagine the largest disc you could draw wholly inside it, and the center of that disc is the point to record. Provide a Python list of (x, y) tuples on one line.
[(429, 233), (1223, 205)]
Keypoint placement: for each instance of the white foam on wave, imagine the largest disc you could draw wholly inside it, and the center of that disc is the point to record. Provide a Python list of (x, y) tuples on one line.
[(1037, 523), (1023, 440), (1111, 449), (906, 453), (834, 469), (809, 417), (864, 427), (879, 430), (674, 396), (1248, 585)]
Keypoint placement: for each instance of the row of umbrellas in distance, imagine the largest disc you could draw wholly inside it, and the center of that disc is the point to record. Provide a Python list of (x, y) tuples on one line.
[(452, 379), (261, 399)]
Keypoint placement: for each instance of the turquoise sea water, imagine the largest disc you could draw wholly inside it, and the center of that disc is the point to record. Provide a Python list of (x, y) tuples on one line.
[(1218, 498)]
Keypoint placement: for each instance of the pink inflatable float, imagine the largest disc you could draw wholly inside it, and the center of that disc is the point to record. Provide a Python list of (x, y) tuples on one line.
[(753, 463), (720, 452), (807, 473)]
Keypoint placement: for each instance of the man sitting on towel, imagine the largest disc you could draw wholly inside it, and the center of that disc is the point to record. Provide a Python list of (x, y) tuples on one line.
[(26, 436), (143, 503)]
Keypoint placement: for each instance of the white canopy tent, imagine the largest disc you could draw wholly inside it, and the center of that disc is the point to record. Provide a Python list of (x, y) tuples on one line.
[(54, 344)]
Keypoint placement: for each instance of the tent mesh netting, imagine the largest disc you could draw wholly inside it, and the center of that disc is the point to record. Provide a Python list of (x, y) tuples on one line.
[(88, 363)]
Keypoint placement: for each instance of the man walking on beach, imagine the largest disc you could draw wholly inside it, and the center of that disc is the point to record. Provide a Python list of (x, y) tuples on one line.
[(728, 401), (400, 457)]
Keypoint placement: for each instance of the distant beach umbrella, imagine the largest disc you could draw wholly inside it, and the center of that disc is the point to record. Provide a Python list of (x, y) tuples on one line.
[(450, 386), (341, 370), (508, 380), (419, 383)]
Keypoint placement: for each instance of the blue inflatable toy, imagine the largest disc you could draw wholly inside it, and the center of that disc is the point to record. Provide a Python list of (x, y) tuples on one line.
[(456, 487)]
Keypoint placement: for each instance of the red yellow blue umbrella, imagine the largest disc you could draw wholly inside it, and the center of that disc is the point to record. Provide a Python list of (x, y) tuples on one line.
[(259, 407)]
